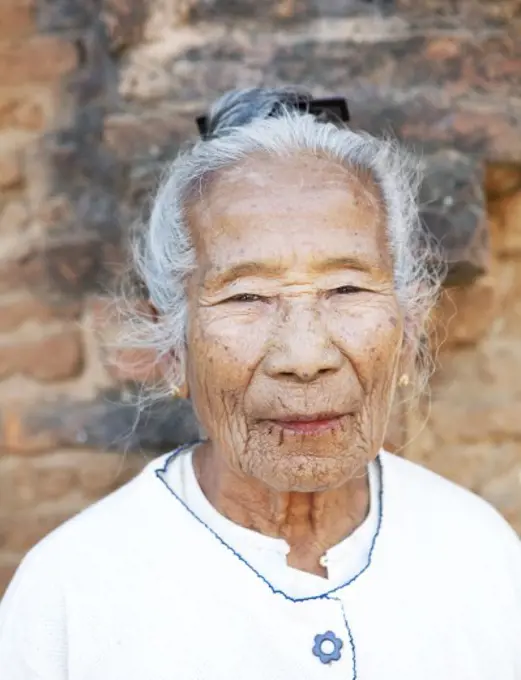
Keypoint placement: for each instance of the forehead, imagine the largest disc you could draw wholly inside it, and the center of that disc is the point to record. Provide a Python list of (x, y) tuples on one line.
[(275, 207)]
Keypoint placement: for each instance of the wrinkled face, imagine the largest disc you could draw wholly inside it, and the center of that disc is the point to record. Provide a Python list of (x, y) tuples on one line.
[(294, 332)]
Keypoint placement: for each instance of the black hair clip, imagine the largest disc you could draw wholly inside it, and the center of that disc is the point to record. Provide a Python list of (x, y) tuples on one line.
[(202, 125), (333, 108)]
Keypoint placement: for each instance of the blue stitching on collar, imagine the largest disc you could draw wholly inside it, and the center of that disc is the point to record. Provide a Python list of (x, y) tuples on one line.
[(322, 596)]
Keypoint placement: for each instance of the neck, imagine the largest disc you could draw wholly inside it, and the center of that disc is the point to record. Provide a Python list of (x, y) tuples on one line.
[(310, 523)]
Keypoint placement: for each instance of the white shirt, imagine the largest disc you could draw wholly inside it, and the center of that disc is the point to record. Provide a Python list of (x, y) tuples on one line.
[(137, 587), (268, 555)]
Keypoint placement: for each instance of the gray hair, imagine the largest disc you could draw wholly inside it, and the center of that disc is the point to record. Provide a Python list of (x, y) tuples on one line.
[(239, 125)]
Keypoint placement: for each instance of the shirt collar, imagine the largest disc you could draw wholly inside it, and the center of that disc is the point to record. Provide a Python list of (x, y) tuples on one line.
[(186, 484)]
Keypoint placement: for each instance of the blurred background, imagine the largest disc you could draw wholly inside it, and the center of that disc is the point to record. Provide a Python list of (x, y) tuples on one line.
[(95, 97)]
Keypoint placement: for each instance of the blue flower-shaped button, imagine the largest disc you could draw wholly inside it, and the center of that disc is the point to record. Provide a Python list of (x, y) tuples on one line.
[(327, 647)]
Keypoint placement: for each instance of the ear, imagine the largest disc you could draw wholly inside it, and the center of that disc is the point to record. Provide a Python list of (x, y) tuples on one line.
[(409, 351), (180, 389), (165, 362)]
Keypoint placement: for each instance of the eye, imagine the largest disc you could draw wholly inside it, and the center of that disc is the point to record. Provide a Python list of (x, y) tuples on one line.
[(245, 297), (346, 290)]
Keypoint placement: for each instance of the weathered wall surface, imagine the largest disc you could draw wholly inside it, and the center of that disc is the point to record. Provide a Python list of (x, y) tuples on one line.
[(469, 429), (96, 96)]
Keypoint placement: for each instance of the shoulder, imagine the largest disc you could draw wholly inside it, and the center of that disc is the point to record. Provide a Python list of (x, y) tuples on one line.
[(93, 559), (447, 515), (428, 488), (111, 531)]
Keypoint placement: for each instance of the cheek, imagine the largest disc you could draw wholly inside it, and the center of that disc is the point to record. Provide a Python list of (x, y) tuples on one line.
[(370, 334), (224, 350)]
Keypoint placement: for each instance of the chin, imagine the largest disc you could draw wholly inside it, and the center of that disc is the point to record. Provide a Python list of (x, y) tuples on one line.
[(301, 463), (303, 473)]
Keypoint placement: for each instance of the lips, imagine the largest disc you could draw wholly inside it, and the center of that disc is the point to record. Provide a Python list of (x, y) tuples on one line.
[(306, 417), (309, 424)]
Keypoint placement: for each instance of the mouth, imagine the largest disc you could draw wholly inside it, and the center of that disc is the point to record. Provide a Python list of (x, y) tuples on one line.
[(309, 424)]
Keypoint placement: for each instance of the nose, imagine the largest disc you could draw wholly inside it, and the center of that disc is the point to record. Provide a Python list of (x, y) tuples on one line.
[(302, 349)]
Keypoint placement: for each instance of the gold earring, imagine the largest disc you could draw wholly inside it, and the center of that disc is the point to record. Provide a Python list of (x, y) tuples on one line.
[(404, 380), (175, 392)]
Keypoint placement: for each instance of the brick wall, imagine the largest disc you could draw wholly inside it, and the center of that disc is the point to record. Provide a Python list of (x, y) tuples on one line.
[(59, 231), (469, 430), (96, 96)]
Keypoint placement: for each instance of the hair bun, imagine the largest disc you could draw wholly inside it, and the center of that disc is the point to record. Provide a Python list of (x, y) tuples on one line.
[(241, 107)]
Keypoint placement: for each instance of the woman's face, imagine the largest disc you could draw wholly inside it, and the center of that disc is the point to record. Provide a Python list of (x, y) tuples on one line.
[(294, 328)]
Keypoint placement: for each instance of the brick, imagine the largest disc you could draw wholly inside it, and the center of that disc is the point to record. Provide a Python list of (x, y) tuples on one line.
[(475, 64), (11, 173), (427, 122), (347, 61), (89, 88), (69, 267), (54, 212), (508, 318), (18, 484), (24, 483), (453, 208), (26, 271), (58, 356), (82, 177), (110, 422), (41, 58), (502, 179), (15, 313), (471, 13), (163, 16), (40, 493), (469, 465), (490, 368), (465, 315), (17, 19), (508, 216), (55, 482), (77, 268), (62, 15), (432, 14), (27, 108), (283, 10), (14, 217), (76, 159), (482, 419), (123, 20), (39, 176), (155, 136), (94, 211), (18, 437), (65, 476), (143, 179)]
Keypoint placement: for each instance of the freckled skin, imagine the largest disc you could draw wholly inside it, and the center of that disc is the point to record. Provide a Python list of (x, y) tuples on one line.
[(311, 325)]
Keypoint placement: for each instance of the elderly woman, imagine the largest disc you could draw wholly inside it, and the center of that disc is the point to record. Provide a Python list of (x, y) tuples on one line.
[(285, 268)]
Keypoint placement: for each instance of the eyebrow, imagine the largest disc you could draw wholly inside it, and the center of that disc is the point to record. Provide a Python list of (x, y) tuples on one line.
[(270, 271)]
